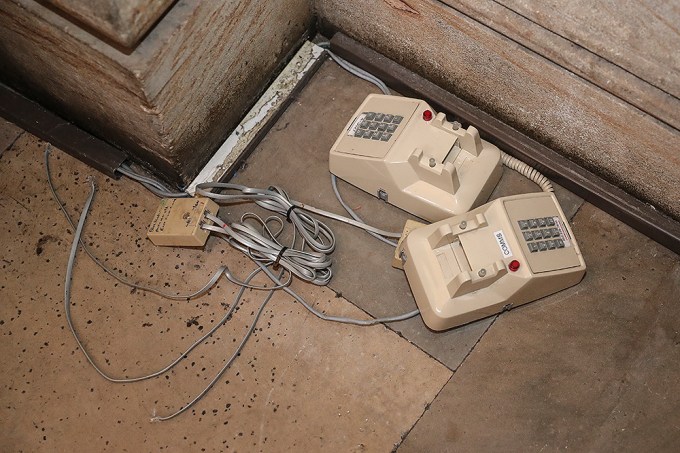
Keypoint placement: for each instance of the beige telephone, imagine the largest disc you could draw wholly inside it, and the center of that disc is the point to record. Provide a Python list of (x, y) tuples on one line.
[(470, 263), (508, 252), (399, 150)]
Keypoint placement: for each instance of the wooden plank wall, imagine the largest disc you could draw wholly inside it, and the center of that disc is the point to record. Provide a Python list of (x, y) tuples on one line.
[(123, 22), (630, 49), (176, 97), (627, 134)]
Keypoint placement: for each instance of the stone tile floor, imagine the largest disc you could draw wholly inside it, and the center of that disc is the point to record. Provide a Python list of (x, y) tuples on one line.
[(592, 368)]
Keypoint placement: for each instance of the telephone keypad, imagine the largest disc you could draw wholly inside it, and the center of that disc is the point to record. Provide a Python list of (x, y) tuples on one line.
[(378, 126), (541, 234)]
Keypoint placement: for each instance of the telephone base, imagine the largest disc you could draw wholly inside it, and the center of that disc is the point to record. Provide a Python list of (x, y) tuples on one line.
[(401, 151), (506, 253)]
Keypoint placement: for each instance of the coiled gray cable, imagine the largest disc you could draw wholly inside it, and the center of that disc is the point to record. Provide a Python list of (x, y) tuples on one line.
[(310, 266), (68, 283), (222, 270), (262, 262)]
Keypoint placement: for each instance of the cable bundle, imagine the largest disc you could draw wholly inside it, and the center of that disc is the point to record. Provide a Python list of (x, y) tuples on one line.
[(263, 247)]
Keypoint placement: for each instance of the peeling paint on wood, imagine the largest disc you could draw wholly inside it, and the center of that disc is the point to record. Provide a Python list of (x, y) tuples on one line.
[(266, 107)]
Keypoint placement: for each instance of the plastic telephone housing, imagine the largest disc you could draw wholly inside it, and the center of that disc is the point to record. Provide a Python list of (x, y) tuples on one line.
[(402, 151), (505, 253)]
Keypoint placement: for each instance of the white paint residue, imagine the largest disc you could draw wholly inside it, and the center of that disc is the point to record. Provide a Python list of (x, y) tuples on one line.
[(264, 109), (261, 114)]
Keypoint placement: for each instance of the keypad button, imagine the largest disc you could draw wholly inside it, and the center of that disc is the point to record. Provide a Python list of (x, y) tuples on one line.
[(551, 244), (359, 133), (533, 247), (523, 224), (385, 136), (397, 119), (550, 221), (364, 124), (388, 118), (391, 128), (555, 232), (528, 235), (541, 222), (376, 135), (559, 243), (542, 246), (382, 127), (533, 223), (379, 116), (370, 115), (538, 234), (372, 125)]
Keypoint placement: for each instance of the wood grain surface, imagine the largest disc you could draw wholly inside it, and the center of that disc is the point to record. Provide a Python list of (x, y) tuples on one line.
[(122, 21), (176, 97), (641, 68), (640, 36)]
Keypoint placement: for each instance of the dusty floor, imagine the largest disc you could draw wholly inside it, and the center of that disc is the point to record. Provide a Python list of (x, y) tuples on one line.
[(593, 368)]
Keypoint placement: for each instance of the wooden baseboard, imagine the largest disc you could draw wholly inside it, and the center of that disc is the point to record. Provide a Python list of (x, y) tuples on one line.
[(34, 118)]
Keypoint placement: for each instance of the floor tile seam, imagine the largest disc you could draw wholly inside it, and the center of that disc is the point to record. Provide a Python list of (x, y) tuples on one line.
[(580, 206), (425, 410), (427, 407), (474, 346), (389, 327)]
